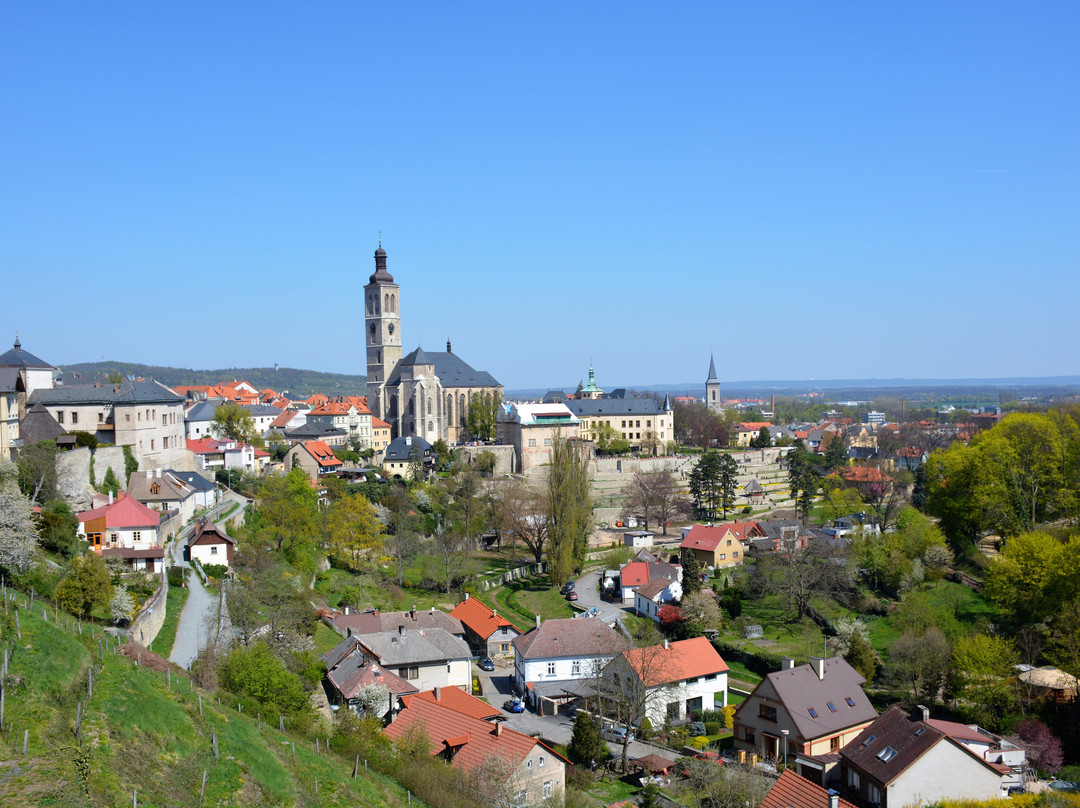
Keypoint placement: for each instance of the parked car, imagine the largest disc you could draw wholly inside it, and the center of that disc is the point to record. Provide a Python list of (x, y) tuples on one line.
[(711, 756), (615, 734), (513, 705), (485, 664), (571, 595), (567, 588)]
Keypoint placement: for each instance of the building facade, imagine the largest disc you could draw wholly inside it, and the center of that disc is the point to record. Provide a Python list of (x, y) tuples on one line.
[(426, 394)]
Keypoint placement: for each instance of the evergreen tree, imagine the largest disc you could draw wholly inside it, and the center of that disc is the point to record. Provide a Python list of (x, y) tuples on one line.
[(835, 453), (569, 508), (727, 482), (109, 483), (86, 585), (586, 745), (691, 577)]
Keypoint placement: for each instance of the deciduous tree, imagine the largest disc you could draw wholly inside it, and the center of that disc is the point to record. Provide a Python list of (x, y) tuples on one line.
[(288, 512), (569, 507), (86, 585), (482, 415), (523, 514), (234, 422), (354, 535), (18, 533)]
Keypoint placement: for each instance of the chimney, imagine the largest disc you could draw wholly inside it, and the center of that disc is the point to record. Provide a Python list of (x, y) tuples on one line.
[(818, 664), (466, 596), (111, 500), (348, 631), (400, 630), (834, 798), (438, 694), (786, 663), (666, 646), (413, 611), (921, 713), (498, 729), (346, 610), (538, 621), (494, 612)]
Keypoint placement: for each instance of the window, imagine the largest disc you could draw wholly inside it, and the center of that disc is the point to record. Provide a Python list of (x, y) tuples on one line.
[(722, 556), (673, 710), (834, 744), (749, 735), (547, 441), (213, 549), (60, 416), (543, 761), (528, 764), (813, 713), (504, 648), (151, 444), (832, 707), (848, 700), (532, 441), (74, 417), (409, 673), (624, 424), (522, 797), (114, 538), (136, 535), (551, 668), (870, 739), (767, 712), (729, 542), (549, 787), (575, 667), (886, 754), (873, 793), (638, 425), (853, 778)]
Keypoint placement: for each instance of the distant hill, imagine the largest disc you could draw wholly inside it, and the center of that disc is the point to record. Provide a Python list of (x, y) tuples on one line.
[(300, 383)]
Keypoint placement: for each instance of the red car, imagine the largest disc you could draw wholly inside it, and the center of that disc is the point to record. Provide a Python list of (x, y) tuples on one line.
[(708, 754), (571, 595)]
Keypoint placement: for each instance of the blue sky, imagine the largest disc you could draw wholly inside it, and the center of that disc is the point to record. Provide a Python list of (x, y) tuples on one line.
[(841, 190)]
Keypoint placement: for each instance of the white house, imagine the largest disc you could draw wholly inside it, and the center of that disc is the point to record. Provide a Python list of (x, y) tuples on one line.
[(125, 528), (671, 682), (557, 653), (211, 545), (990, 747), (648, 598)]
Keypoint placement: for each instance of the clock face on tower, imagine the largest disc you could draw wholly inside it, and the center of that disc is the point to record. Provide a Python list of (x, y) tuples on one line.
[(390, 328)]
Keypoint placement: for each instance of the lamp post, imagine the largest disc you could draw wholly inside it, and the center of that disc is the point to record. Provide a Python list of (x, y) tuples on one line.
[(784, 732)]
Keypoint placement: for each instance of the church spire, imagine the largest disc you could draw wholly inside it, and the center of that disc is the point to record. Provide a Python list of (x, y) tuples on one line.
[(712, 370)]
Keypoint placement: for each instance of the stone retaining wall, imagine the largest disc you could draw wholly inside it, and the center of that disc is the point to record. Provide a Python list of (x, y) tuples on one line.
[(150, 618)]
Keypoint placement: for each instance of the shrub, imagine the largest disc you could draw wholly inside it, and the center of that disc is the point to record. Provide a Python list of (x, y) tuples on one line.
[(645, 728), (698, 742), (712, 727), (176, 576), (218, 571), (729, 716), (257, 674), (697, 728)]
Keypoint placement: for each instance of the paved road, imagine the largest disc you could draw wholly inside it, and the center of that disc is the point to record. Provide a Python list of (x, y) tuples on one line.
[(197, 624), (588, 589)]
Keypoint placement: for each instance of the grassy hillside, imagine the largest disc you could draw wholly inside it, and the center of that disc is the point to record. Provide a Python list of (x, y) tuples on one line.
[(301, 383), (141, 734)]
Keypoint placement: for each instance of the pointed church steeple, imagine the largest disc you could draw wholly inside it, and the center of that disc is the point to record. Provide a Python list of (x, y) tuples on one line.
[(713, 400)]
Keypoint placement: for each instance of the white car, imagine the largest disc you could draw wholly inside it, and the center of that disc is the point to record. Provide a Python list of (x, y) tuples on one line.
[(615, 734)]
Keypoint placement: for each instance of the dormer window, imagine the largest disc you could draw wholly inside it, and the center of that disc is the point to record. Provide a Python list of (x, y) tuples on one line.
[(155, 489)]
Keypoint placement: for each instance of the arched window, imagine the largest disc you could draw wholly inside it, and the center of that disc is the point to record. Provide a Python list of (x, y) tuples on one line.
[(386, 303), (449, 414), (714, 395), (412, 406), (462, 411), (378, 357), (430, 426), (393, 304), (430, 408)]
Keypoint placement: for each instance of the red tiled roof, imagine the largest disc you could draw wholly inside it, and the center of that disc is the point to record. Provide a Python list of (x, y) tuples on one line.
[(321, 452), (863, 474), (126, 512), (634, 574), (708, 538), (961, 732), (283, 419), (754, 425), (791, 789), (456, 699), (478, 617), (466, 740), (683, 659), (378, 423)]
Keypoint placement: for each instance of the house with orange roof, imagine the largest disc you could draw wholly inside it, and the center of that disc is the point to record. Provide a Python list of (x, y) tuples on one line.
[(127, 529), (669, 682), (353, 417), (360, 683), (530, 772), (314, 457), (723, 545), (792, 789), (485, 631), (747, 431), (380, 437), (317, 400), (288, 420), (211, 455), (456, 699)]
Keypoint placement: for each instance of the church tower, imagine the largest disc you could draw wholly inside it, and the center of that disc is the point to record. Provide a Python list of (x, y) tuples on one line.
[(382, 329), (713, 400)]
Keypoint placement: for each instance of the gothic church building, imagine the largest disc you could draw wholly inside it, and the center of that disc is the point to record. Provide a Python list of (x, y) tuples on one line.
[(425, 394)]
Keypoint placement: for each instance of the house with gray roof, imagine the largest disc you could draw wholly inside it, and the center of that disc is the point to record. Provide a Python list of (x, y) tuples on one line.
[(647, 424), (10, 387), (426, 657), (351, 671), (821, 705), (555, 659), (317, 430), (145, 415), (205, 492), (162, 491)]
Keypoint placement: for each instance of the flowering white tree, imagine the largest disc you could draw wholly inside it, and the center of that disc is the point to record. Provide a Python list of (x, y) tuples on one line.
[(18, 533), (122, 604)]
